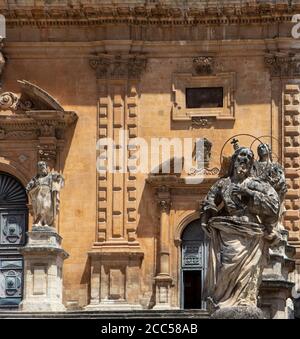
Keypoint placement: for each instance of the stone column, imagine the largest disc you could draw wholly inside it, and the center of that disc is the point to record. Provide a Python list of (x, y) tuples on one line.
[(163, 280), (43, 261)]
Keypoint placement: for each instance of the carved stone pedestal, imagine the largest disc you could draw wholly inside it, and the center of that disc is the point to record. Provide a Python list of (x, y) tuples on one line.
[(43, 263), (115, 278), (163, 292), (276, 286)]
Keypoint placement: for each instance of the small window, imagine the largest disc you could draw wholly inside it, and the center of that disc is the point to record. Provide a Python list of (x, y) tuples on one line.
[(204, 97)]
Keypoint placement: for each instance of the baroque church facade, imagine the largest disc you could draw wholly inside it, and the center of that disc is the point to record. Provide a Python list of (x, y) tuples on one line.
[(75, 73)]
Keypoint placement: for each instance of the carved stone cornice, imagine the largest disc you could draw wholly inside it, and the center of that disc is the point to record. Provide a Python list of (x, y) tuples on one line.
[(35, 123), (178, 186), (283, 64), (87, 12), (118, 67)]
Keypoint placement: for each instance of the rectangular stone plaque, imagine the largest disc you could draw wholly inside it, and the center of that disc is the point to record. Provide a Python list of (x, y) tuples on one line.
[(39, 280)]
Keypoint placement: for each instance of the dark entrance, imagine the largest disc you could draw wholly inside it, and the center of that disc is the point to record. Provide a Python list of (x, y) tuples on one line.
[(194, 266), (192, 292), (13, 226)]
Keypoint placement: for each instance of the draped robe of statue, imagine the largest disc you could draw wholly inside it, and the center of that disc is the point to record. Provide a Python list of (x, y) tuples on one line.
[(44, 195), (238, 217)]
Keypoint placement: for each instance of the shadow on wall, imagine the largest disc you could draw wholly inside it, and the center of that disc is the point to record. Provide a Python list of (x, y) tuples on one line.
[(67, 145), (148, 230)]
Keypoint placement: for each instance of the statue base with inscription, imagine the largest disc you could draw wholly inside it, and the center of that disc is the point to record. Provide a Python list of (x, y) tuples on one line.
[(43, 263), (238, 312)]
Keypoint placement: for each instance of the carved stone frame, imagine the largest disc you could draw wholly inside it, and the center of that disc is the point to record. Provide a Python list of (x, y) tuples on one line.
[(181, 81)]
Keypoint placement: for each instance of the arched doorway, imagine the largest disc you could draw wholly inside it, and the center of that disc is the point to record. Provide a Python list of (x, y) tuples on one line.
[(13, 227), (194, 255)]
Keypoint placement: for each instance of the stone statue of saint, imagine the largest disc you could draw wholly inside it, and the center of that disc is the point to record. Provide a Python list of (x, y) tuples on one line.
[(239, 214), (43, 190)]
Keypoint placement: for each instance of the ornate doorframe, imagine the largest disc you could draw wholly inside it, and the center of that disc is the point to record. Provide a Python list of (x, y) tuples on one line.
[(171, 193), (194, 258)]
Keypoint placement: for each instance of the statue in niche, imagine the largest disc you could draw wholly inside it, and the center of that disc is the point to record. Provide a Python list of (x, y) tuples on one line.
[(240, 214), (43, 190)]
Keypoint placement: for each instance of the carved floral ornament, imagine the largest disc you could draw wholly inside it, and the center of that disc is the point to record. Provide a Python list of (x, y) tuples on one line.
[(118, 67), (10, 101), (203, 65), (201, 122)]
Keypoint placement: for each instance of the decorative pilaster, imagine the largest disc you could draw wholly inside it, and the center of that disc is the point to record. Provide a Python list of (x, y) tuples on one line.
[(284, 68), (118, 78), (163, 280), (116, 255), (292, 161)]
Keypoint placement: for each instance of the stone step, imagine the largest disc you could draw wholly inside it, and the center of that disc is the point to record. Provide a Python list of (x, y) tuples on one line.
[(146, 314)]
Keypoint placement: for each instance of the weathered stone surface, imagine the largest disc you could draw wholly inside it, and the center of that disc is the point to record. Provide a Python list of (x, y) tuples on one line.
[(238, 312), (245, 225), (43, 268)]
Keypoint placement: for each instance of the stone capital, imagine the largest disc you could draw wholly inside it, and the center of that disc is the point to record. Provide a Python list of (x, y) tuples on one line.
[(164, 205), (283, 64), (163, 197), (118, 66)]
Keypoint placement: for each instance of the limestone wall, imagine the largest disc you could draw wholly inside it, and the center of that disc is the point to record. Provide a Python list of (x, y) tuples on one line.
[(58, 57)]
